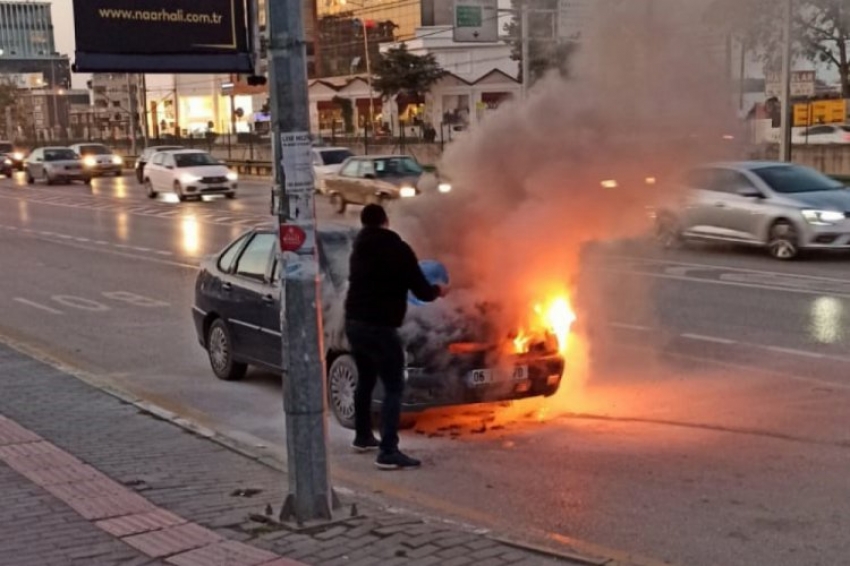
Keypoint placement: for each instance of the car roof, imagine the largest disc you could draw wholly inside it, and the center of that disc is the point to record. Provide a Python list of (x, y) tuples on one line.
[(386, 156), (55, 147), (184, 150), (747, 165), (328, 148)]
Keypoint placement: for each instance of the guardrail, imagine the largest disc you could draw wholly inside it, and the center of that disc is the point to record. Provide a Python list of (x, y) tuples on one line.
[(254, 168)]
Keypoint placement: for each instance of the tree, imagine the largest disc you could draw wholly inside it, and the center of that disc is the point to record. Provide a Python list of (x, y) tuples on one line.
[(545, 51), (821, 31), (341, 42), (402, 74), (8, 99)]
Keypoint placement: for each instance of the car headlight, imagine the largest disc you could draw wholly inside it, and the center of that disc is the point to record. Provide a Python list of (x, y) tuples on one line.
[(444, 188), (89, 161), (231, 176), (188, 179), (822, 217), (116, 160), (407, 192), (18, 156), (7, 161)]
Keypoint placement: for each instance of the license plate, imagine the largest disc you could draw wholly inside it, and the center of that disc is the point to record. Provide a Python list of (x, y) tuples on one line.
[(520, 373), (481, 377)]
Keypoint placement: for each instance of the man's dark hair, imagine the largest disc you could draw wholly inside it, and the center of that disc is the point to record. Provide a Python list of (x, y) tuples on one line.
[(373, 216)]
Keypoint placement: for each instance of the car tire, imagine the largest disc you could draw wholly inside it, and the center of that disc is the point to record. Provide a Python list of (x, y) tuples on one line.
[(338, 203), (782, 241), (231, 196), (220, 352), (342, 381), (668, 233), (45, 178), (149, 188), (139, 177), (178, 190), (87, 181), (30, 178)]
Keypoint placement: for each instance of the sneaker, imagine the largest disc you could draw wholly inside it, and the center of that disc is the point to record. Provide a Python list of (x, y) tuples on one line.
[(396, 461), (366, 445)]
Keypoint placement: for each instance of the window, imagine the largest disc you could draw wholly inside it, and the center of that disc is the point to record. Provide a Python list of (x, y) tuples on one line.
[(350, 168), (225, 262), (94, 150), (194, 159), (255, 259), (158, 158), (397, 167), (796, 179), (333, 156), (59, 155), (819, 130), (729, 181)]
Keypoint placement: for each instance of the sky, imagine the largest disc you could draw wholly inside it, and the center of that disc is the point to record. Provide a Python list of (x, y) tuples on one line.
[(63, 28)]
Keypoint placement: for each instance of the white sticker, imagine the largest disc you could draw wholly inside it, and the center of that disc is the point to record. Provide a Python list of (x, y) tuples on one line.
[(299, 266), (297, 162), (302, 207)]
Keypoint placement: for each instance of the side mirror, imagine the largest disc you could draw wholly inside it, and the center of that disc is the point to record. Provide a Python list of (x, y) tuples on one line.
[(169, 166), (749, 192)]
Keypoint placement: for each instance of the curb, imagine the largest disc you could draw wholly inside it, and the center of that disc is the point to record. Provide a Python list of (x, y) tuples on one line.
[(563, 548)]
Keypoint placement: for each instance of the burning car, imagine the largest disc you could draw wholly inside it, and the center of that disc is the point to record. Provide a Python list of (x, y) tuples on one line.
[(236, 315)]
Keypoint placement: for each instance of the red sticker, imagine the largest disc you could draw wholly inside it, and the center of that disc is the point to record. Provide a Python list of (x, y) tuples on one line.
[(291, 238)]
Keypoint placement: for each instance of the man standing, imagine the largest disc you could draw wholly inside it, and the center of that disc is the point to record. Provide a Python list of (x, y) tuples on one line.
[(383, 270)]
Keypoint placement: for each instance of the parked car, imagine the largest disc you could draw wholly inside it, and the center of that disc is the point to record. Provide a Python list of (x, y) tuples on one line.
[(189, 173), (99, 160), (783, 207), (7, 166), (374, 179), (327, 161), (15, 154), (237, 320), (146, 155), (823, 134), (55, 165)]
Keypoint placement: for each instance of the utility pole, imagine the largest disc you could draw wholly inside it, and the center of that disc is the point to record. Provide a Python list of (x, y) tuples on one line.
[(144, 89), (131, 115), (310, 494), (787, 114), (525, 37)]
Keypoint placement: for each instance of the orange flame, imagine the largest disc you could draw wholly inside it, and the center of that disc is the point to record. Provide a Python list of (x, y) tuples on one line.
[(556, 317)]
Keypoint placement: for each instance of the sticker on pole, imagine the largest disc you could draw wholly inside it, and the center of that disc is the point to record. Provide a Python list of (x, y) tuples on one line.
[(291, 238), (297, 162)]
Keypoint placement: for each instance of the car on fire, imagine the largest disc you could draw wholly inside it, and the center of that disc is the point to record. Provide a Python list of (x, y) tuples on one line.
[(376, 179), (237, 313), (783, 207)]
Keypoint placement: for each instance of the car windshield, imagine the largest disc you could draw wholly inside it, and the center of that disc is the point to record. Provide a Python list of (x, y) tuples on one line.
[(397, 167), (95, 150), (335, 156), (194, 159), (59, 155), (6, 148), (151, 150), (788, 179)]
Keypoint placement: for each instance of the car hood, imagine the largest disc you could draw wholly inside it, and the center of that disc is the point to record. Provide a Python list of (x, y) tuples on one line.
[(829, 200)]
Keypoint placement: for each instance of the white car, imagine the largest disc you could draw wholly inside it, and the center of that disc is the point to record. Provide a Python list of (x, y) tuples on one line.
[(188, 173), (99, 160), (827, 133), (328, 161)]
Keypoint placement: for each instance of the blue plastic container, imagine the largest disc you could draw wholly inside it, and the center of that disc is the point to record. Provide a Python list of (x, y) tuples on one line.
[(436, 274)]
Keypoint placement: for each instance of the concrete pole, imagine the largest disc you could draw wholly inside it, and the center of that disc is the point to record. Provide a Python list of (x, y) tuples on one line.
[(525, 38), (787, 114), (143, 82), (368, 75), (131, 119), (304, 392)]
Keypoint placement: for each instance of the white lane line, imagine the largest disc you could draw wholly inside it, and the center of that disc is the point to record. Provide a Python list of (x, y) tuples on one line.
[(101, 243), (37, 305), (141, 249), (703, 338), (163, 252), (626, 326), (82, 239), (792, 351)]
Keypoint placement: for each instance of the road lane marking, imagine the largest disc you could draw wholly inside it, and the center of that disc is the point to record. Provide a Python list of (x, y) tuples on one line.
[(626, 326), (37, 305), (703, 338), (80, 303), (794, 352)]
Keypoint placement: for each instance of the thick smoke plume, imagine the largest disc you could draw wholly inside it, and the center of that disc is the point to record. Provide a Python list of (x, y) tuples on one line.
[(648, 96)]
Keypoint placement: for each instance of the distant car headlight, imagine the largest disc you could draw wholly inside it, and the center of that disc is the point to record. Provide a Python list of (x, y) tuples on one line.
[(89, 161), (822, 217), (116, 160), (18, 156), (407, 192), (188, 179), (444, 188), (7, 161), (232, 176)]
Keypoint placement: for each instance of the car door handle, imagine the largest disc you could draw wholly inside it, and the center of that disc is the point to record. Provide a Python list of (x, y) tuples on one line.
[(226, 287), (268, 299)]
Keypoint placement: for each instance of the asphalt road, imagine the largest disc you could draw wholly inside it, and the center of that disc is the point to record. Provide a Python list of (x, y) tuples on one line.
[(708, 426)]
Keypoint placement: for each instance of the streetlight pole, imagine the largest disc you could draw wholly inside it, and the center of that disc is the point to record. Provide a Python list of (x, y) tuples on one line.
[(369, 76), (310, 494), (526, 40), (787, 114)]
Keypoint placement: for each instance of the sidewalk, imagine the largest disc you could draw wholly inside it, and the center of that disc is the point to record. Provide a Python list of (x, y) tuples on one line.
[(88, 479)]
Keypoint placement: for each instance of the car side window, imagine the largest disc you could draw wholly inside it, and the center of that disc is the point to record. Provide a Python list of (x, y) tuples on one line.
[(729, 181), (228, 258), (701, 179), (157, 159), (317, 158), (367, 167), (351, 168), (820, 130), (254, 261)]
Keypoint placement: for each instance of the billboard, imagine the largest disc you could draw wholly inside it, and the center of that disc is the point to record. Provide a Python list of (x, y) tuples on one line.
[(476, 21), (165, 36)]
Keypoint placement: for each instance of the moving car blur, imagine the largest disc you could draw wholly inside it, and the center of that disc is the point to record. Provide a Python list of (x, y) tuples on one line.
[(237, 320), (15, 154), (188, 173), (783, 207), (146, 155), (99, 160), (55, 165)]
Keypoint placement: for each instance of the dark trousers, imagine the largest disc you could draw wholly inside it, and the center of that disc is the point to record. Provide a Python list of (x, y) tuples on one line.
[(378, 351)]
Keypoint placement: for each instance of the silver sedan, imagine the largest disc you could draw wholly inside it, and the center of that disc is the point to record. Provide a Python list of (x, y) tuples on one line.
[(783, 207)]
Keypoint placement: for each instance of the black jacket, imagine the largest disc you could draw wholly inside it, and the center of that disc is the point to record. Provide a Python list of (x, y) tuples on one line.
[(383, 269)]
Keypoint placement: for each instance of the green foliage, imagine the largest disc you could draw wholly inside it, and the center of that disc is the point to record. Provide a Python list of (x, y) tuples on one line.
[(545, 53), (821, 31), (401, 72)]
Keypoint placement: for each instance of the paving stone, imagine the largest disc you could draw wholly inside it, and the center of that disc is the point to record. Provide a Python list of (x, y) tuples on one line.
[(172, 540), (228, 553)]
